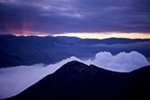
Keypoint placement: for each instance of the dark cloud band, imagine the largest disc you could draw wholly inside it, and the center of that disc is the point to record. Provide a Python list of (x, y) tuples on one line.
[(62, 16)]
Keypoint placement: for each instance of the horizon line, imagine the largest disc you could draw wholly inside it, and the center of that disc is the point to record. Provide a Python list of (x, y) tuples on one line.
[(92, 35)]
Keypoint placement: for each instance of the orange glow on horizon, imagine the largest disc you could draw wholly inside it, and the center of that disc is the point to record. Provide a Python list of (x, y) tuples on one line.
[(40, 35), (21, 34), (94, 35), (107, 35)]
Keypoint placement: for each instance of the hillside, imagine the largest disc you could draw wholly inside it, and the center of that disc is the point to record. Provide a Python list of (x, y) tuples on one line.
[(77, 81), (30, 50)]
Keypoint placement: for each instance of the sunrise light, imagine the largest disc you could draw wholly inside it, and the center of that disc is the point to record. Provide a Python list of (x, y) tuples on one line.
[(40, 35), (107, 35)]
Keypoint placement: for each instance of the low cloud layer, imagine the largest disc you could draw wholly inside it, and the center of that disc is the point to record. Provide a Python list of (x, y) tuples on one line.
[(122, 62), (15, 79)]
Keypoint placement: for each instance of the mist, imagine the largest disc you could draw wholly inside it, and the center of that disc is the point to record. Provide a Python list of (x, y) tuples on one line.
[(14, 80), (122, 62)]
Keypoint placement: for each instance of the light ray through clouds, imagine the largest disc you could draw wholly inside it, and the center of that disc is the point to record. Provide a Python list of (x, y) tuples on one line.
[(56, 17), (13, 80)]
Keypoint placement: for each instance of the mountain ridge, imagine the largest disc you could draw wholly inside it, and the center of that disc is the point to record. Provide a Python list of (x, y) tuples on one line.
[(31, 50), (77, 81)]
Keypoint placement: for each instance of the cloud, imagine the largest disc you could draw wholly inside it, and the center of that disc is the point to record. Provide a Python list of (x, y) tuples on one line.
[(13, 80), (122, 62), (63, 16)]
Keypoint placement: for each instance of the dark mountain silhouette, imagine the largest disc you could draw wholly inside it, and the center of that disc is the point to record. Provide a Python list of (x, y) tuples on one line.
[(110, 41), (30, 50), (68, 39), (77, 81)]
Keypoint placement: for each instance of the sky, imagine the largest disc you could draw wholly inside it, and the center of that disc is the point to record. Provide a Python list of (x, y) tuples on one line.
[(13, 80), (82, 18)]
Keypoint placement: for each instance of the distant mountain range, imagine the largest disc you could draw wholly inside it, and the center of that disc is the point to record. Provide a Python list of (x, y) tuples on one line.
[(30, 50), (77, 81)]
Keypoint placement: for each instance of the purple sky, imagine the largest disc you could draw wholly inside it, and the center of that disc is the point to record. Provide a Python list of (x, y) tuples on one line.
[(65, 16)]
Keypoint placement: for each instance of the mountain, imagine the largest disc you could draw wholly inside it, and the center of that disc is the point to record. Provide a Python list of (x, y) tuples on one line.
[(110, 41), (15, 51), (77, 81), (68, 39)]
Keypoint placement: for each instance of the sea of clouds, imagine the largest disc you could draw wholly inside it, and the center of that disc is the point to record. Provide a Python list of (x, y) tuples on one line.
[(14, 80)]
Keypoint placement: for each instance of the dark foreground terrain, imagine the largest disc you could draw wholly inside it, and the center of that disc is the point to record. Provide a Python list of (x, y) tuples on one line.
[(77, 81)]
